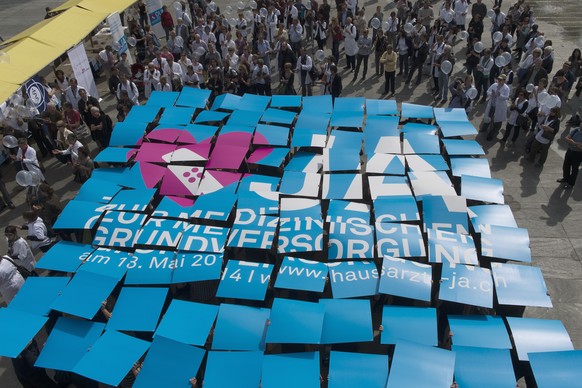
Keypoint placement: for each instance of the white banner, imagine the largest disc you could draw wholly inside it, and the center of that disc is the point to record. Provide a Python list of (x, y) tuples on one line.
[(154, 8), (118, 35), (82, 70)]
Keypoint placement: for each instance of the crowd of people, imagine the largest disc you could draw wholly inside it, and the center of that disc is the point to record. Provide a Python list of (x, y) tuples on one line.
[(293, 47)]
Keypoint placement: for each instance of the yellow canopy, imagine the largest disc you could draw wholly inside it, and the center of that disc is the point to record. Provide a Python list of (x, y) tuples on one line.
[(6, 90), (106, 6), (69, 28), (26, 33), (66, 5), (27, 57)]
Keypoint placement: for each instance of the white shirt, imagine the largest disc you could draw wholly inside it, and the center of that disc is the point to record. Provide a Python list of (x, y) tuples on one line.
[(10, 280), (22, 254), (38, 229)]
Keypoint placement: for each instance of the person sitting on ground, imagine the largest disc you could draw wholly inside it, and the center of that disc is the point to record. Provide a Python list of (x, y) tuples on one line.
[(84, 167), (18, 249), (37, 231)]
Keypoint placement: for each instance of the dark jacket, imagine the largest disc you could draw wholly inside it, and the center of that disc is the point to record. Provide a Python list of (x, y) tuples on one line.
[(336, 85)]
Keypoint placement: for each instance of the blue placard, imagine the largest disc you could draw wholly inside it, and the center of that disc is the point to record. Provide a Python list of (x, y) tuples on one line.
[(451, 247), (427, 183), (169, 364), (97, 190), (348, 212), (111, 357), (244, 369), (245, 118), (284, 101), (196, 267), (304, 162), (386, 164), (193, 97), (115, 155), (254, 102), (450, 114), (556, 369), (481, 331), (215, 206), (292, 208), (388, 186), (347, 370), (210, 116), (245, 280), (253, 204), (294, 321), (174, 207), (414, 324), (17, 329), (128, 132), (162, 99), (339, 159), (159, 232), (420, 163), (532, 335), (346, 320), (300, 184), (346, 140), (350, 241), (421, 366), (119, 229), (419, 128), (482, 189), (80, 215), (38, 293), (301, 274), (462, 147), (445, 213), (457, 128), (353, 278), (137, 309), (187, 322), (300, 235), (291, 370), (399, 240), (68, 342), (269, 157), (202, 238), (342, 186), (485, 215), (174, 115), (134, 200), (420, 143), (226, 102), (505, 243), (278, 116), (405, 278), (416, 111), (381, 107), (256, 233), (318, 104), (466, 284), (483, 368), (272, 135), (520, 285), (316, 121), (307, 137), (240, 328), (64, 256), (396, 209), (349, 104), (470, 166), (83, 295)]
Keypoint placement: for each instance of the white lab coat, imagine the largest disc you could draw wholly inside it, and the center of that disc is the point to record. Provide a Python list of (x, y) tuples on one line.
[(10, 280), (350, 44), (499, 98)]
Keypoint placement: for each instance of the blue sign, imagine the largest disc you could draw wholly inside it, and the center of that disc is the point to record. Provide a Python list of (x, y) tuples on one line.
[(301, 274), (483, 368), (119, 229), (406, 278), (353, 278), (300, 235), (346, 320), (532, 335), (396, 209), (347, 370), (451, 247), (295, 322), (245, 280), (350, 241), (202, 238), (240, 328), (196, 267), (253, 232), (479, 331), (414, 324), (399, 240), (520, 285), (446, 213), (503, 242), (466, 284)]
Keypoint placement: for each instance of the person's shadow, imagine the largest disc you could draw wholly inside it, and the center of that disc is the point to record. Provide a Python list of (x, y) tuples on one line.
[(530, 178), (557, 208)]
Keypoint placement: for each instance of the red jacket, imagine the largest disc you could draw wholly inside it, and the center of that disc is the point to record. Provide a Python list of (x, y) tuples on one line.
[(167, 20)]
